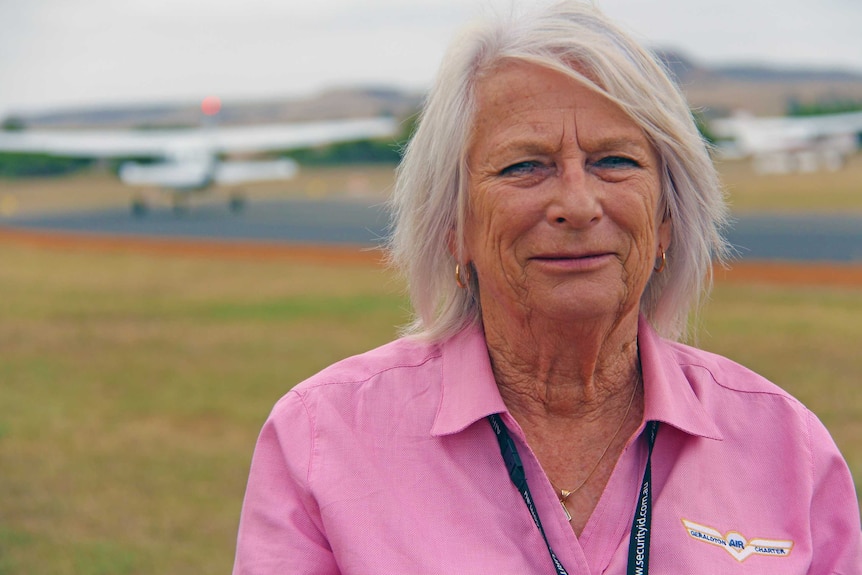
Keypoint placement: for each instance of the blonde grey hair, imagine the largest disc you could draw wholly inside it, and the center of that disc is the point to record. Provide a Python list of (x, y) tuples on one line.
[(430, 197)]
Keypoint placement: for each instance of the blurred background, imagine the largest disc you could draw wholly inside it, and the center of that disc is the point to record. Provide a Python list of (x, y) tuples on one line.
[(191, 196), (59, 54)]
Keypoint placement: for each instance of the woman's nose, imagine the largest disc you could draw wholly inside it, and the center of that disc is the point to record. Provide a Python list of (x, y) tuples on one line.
[(575, 198)]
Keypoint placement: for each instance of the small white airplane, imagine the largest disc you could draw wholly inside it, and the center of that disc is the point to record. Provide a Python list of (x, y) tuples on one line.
[(189, 160), (788, 144)]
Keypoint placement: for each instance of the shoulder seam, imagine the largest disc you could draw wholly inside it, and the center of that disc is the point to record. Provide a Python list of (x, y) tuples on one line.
[(812, 469), (315, 384), (780, 393), (312, 436)]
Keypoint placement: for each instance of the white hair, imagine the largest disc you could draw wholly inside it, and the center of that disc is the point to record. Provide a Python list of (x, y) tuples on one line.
[(430, 197)]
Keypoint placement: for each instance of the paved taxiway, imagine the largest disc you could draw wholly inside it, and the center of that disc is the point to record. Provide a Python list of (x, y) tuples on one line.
[(796, 238)]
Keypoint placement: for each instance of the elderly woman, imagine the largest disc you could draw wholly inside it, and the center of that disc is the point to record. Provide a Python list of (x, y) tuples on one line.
[(556, 216)]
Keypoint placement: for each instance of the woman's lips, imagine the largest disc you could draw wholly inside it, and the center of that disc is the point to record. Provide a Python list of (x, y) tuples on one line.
[(573, 261)]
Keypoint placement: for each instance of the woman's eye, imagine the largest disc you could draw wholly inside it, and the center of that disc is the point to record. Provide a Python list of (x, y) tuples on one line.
[(520, 169), (616, 162)]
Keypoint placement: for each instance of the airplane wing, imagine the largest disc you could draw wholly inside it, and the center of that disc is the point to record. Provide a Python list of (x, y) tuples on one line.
[(215, 139), (292, 136), (189, 159), (91, 144)]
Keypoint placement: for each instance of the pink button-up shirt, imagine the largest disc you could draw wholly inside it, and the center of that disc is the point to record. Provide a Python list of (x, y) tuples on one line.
[(384, 463)]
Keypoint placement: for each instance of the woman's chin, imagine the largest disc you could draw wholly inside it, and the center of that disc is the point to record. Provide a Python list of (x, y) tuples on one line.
[(598, 306)]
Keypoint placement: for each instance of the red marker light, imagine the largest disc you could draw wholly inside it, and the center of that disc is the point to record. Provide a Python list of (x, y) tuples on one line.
[(211, 106)]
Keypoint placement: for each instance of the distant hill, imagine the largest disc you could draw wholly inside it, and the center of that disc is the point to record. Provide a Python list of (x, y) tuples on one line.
[(715, 90), (760, 89), (686, 69)]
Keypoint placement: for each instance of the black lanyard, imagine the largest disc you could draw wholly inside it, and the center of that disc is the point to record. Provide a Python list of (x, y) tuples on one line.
[(640, 535)]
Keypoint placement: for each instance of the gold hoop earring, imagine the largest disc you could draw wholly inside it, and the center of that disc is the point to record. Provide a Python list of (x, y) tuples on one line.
[(660, 267), (461, 283)]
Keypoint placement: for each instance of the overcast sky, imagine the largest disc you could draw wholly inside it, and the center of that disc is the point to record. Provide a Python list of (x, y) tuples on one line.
[(88, 52)]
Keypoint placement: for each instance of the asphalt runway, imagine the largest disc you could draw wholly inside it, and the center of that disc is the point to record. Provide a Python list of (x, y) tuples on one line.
[(796, 238)]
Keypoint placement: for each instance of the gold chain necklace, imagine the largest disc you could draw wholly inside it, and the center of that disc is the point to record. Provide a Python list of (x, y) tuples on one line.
[(565, 493)]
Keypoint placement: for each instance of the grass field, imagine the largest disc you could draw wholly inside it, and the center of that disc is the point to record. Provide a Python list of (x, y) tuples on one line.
[(134, 386)]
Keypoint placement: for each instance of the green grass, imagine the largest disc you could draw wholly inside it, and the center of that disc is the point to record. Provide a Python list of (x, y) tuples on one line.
[(134, 386), (133, 391), (824, 192)]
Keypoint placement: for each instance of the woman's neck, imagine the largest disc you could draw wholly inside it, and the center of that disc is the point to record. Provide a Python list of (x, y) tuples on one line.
[(563, 369)]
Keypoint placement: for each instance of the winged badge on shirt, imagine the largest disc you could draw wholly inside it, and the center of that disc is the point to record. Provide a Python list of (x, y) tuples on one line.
[(735, 544)]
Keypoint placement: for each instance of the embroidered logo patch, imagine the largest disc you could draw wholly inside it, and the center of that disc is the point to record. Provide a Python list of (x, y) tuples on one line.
[(736, 545)]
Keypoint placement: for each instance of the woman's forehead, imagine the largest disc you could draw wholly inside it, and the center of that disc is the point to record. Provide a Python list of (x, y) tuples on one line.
[(519, 87), (528, 98)]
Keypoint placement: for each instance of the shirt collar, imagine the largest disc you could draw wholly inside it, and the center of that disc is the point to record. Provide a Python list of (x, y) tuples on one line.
[(669, 397), (469, 391)]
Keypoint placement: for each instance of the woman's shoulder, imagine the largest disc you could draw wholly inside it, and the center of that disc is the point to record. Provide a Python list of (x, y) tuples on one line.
[(393, 389), (403, 353), (391, 365), (744, 404), (725, 372), (707, 372), (730, 391)]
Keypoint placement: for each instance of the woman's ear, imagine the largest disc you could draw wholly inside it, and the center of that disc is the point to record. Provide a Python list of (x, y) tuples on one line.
[(664, 233), (456, 248)]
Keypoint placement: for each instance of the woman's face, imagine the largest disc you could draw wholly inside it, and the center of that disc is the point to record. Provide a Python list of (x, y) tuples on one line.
[(563, 207)]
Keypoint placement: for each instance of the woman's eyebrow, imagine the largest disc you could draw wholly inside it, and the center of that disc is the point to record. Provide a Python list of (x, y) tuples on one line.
[(621, 142), (539, 146), (530, 143)]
